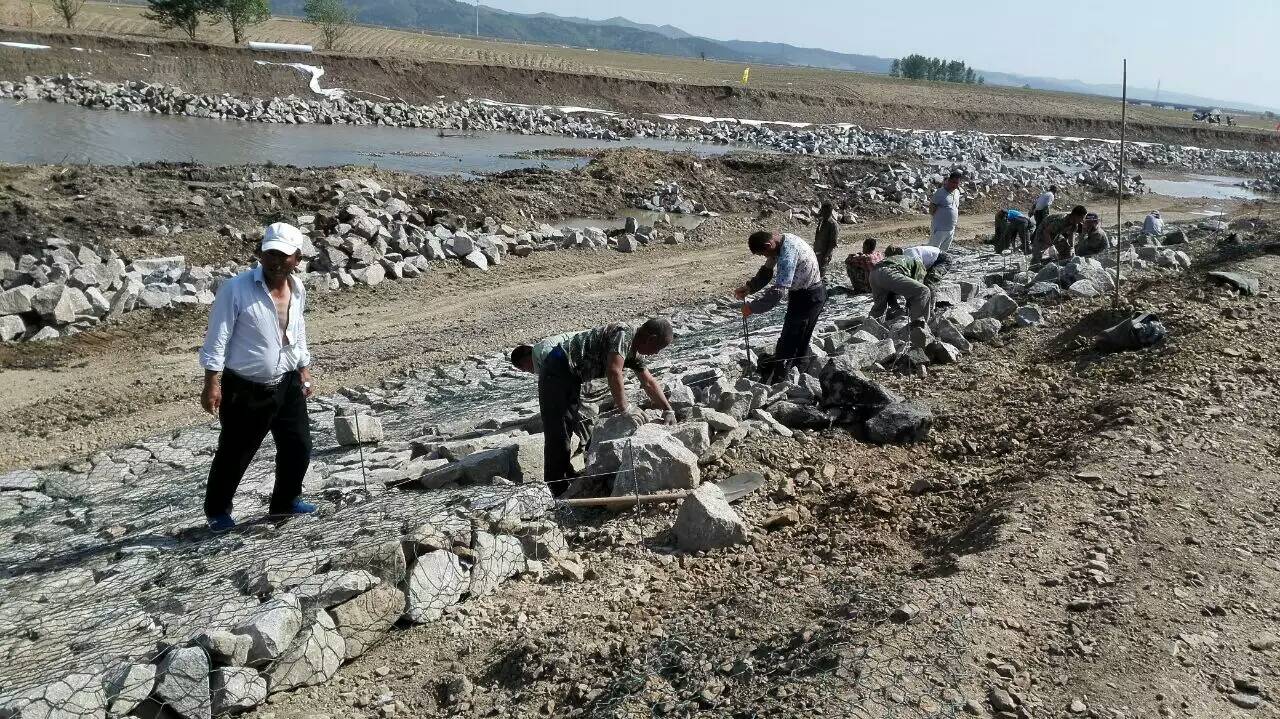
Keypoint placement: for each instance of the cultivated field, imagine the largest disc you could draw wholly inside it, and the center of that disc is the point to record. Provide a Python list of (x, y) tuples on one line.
[(909, 98)]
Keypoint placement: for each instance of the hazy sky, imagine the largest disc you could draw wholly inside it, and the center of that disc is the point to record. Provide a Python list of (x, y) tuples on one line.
[(1225, 49)]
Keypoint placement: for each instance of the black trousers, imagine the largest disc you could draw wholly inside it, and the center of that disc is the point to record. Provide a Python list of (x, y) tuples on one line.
[(559, 394), (803, 308), (249, 411)]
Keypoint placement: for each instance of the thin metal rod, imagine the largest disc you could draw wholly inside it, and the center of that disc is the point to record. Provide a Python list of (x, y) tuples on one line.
[(1124, 117)]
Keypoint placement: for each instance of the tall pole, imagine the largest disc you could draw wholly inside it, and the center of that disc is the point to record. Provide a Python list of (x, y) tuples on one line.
[(1124, 117), (477, 18)]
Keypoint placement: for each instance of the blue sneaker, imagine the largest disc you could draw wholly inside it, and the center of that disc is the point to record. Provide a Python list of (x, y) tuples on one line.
[(297, 507), (220, 523)]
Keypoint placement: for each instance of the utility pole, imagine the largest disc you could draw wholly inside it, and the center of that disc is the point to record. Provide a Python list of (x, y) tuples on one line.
[(1124, 116), (477, 18), (1158, 90)]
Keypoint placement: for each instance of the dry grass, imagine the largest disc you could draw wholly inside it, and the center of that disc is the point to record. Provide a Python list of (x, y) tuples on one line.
[(127, 20)]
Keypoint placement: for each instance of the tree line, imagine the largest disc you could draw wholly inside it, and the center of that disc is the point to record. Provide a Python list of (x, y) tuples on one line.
[(919, 67), (332, 17)]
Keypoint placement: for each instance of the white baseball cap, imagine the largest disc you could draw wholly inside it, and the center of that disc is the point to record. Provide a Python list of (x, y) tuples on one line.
[(282, 237)]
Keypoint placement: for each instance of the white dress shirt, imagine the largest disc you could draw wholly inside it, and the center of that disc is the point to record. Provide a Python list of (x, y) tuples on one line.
[(244, 330), (1044, 201)]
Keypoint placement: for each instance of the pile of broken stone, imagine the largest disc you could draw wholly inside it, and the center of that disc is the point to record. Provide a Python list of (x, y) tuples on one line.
[(373, 234)]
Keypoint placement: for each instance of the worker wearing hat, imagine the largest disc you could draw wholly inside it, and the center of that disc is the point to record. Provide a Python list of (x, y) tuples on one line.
[(258, 377), (1091, 239)]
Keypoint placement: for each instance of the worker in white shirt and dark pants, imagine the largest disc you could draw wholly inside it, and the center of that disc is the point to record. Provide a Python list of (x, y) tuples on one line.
[(1043, 204), (944, 207), (257, 377)]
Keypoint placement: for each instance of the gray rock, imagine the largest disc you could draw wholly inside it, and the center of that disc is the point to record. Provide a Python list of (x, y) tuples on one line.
[(364, 620), (272, 627), (660, 462), (17, 300), (498, 557), (11, 328), (900, 423), (1083, 288), (761, 415), (940, 352), (357, 429), (983, 330), (182, 683), (845, 386), (706, 521), (476, 260), (1029, 316), (128, 686), (224, 647), (58, 304), (384, 560), (236, 689), (695, 436), (436, 582), (329, 589), (372, 275), (950, 333), (76, 696), (998, 306), (866, 354), (798, 416), (313, 658), (718, 421)]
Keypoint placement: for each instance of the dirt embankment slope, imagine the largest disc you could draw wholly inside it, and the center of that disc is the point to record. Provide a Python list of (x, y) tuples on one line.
[(849, 97)]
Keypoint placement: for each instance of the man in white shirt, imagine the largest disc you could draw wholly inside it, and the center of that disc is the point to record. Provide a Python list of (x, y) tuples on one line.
[(945, 209), (258, 377), (936, 263), (1043, 204)]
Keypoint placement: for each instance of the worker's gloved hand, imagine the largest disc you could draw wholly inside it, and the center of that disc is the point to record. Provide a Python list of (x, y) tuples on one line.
[(746, 310), (636, 416), (669, 418), (740, 293)]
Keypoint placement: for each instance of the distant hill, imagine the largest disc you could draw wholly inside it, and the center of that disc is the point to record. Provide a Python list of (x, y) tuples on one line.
[(619, 33)]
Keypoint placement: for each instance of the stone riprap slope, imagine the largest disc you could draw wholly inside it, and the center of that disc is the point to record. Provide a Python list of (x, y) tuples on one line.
[(471, 115), (114, 597)]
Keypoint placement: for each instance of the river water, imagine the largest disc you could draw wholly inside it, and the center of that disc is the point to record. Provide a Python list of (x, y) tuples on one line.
[(47, 133)]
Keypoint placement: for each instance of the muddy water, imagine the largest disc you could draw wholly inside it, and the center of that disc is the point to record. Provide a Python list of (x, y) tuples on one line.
[(46, 133), (1213, 187)]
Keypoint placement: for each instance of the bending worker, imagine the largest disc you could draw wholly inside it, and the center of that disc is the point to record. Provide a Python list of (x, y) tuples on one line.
[(904, 275), (565, 362), (860, 264), (1012, 224), (790, 270), (1057, 232)]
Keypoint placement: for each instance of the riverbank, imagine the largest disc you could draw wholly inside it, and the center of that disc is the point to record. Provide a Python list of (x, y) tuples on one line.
[(827, 97)]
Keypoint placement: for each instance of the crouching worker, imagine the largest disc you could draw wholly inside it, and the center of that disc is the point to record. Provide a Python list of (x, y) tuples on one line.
[(565, 362), (859, 266), (1056, 232), (1011, 225), (790, 270), (1092, 238), (904, 275)]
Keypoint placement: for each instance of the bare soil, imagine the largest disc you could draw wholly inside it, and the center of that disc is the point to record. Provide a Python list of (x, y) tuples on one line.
[(420, 68)]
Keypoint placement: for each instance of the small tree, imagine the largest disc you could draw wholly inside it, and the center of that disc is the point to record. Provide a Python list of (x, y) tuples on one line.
[(239, 14), (181, 14), (895, 69), (69, 9), (332, 16)]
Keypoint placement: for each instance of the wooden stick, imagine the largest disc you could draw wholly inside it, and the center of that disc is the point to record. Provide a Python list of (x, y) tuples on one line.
[(628, 501)]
